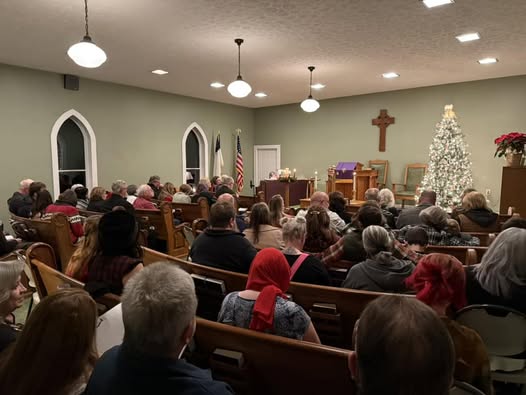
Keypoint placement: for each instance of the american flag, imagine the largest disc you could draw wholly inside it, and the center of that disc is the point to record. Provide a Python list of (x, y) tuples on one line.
[(239, 166)]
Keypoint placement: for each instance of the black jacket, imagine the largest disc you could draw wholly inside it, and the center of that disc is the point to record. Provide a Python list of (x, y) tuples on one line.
[(114, 201), (410, 216), (119, 372), (223, 248), (20, 205)]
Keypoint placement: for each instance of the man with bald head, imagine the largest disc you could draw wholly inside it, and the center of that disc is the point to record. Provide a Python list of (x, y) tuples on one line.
[(322, 199)]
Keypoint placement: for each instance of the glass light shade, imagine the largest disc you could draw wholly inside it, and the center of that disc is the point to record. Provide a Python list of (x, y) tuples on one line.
[(310, 104), (239, 88), (87, 54)]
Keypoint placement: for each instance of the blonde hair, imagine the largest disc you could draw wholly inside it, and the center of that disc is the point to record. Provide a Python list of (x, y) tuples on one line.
[(168, 190), (294, 228), (86, 250), (97, 193), (474, 200)]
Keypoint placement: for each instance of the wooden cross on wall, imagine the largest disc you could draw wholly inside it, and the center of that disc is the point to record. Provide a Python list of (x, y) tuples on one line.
[(383, 121)]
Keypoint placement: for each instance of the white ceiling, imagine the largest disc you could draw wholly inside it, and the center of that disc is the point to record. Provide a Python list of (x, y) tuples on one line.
[(351, 43)]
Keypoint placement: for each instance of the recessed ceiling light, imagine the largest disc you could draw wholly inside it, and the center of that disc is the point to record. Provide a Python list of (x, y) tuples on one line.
[(468, 37), (436, 3), (217, 85), (261, 94), (159, 72), (390, 75), (318, 86), (488, 60)]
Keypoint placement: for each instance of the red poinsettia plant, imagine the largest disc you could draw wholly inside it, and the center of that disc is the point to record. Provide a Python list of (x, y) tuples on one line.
[(510, 143)]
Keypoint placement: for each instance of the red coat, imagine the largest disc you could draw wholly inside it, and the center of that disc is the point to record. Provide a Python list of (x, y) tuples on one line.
[(74, 218)]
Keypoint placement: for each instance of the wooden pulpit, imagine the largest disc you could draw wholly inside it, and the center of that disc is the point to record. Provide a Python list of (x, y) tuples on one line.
[(353, 188), (291, 192)]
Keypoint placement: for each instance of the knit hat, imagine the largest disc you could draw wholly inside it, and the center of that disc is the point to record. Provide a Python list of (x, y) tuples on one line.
[(9, 272)]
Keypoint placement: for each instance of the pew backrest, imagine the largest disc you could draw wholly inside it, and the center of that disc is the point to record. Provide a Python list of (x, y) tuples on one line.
[(192, 211), (259, 363), (56, 233), (468, 255)]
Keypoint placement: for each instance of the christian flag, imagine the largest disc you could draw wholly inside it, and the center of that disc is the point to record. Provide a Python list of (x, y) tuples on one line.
[(218, 159), (239, 166)]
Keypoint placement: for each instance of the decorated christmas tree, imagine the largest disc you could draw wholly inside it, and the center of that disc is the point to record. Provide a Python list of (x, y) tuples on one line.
[(449, 171)]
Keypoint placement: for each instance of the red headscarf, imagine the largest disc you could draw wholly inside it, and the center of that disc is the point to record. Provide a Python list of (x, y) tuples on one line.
[(270, 275), (439, 278)]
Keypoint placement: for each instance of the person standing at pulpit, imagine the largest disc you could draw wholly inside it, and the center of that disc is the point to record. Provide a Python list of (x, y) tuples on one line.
[(322, 199)]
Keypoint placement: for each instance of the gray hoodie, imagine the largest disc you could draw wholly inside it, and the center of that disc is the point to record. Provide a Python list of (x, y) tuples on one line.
[(381, 273)]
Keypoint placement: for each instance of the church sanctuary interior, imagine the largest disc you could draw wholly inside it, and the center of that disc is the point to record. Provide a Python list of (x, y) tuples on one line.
[(249, 192)]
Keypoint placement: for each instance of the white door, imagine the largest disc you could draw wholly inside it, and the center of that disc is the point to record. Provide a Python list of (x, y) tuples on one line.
[(267, 158)]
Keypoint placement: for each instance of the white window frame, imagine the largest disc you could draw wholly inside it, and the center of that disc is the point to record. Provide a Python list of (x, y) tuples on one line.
[(90, 149), (203, 151)]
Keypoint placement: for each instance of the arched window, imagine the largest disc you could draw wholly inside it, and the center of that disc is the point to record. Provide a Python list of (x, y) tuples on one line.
[(73, 152), (195, 154)]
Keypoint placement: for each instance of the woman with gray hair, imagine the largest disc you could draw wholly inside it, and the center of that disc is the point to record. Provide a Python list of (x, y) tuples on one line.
[(500, 278), (304, 268), (11, 298), (434, 221), (381, 271)]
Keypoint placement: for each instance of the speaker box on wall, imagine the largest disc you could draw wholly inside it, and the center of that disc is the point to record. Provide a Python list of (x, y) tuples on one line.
[(71, 82)]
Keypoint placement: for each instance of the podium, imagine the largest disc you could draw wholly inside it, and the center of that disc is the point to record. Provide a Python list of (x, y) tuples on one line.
[(290, 191), (513, 190), (364, 178)]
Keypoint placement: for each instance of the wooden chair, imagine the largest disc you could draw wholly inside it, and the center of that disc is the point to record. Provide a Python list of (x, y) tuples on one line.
[(56, 233), (334, 311), (414, 174), (382, 167), (161, 222), (192, 211), (468, 255), (259, 363), (40, 258)]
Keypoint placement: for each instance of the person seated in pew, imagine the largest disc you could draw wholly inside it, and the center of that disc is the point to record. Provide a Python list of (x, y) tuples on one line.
[(476, 216), (411, 215), (322, 199), (387, 202), (305, 268), (220, 245), (373, 195), (82, 196), (241, 219), (66, 204), (500, 278), (417, 240), (118, 256), (276, 206), (55, 352), (381, 271), (184, 195), (20, 203), (203, 190), (119, 193), (158, 311), (132, 193), (434, 221), (42, 199), (263, 305), (144, 198), (401, 347), (78, 263), (320, 234), (167, 192), (337, 204), (440, 282), (260, 232), (215, 181), (97, 198), (226, 186), (514, 222), (11, 290), (155, 183)]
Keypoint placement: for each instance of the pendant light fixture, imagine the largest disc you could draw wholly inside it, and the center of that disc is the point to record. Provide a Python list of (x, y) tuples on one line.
[(238, 87), (310, 104), (86, 53)]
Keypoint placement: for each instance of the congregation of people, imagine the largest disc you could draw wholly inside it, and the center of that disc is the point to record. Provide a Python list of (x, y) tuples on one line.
[(384, 248)]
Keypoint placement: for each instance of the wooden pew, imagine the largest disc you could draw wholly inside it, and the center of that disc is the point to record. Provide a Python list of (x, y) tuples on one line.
[(485, 238), (192, 211), (161, 221), (248, 201), (56, 233), (259, 363), (333, 311), (86, 213), (468, 255)]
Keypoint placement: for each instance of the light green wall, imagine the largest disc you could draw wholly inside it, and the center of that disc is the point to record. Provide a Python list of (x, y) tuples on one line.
[(341, 129), (139, 132)]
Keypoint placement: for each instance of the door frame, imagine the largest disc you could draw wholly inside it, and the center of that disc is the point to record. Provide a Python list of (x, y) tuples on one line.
[(277, 148)]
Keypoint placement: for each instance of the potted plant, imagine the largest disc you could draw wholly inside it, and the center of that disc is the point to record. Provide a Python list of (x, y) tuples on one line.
[(511, 146)]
